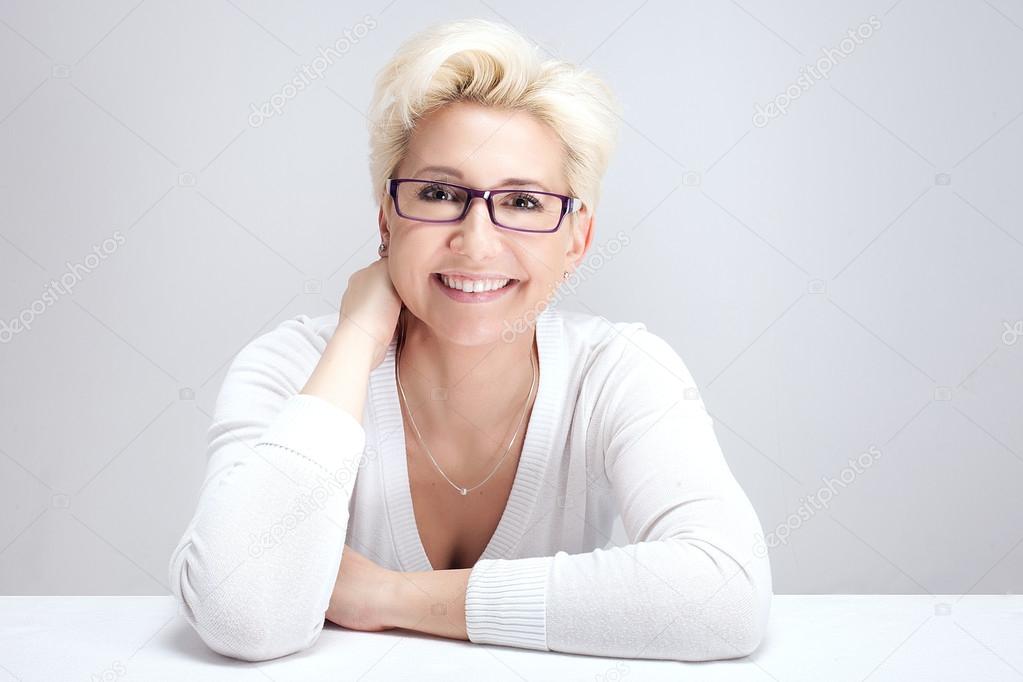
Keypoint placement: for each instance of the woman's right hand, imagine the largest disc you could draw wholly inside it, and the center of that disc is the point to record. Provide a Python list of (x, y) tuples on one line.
[(371, 305)]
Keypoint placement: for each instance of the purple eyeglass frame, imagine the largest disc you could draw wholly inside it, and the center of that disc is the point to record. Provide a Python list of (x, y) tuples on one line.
[(568, 204)]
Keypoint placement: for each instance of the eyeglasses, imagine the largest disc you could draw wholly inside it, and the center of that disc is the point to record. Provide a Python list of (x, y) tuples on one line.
[(522, 210)]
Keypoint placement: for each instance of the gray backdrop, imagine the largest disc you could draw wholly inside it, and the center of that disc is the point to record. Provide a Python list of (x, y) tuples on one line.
[(826, 225)]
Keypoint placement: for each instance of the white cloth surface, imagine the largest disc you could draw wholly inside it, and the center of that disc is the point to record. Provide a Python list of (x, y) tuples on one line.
[(899, 638)]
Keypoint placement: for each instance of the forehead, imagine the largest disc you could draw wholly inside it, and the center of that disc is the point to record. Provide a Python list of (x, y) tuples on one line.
[(486, 145)]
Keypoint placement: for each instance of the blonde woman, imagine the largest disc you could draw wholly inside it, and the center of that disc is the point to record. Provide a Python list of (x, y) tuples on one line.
[(449, 453)]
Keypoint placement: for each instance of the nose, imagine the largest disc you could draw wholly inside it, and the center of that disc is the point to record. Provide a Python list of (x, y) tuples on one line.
[(477, 237)]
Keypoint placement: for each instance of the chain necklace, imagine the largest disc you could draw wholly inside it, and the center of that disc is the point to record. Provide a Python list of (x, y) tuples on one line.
[(461, 490)]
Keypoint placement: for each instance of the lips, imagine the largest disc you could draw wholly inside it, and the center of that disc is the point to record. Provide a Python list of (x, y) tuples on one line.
[(473, 296), (473, 275), (475, 285)]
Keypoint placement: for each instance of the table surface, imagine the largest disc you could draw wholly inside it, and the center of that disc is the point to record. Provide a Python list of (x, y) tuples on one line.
[(810, 637)]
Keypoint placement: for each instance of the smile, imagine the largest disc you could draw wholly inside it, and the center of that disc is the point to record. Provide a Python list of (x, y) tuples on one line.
[(473, 291)]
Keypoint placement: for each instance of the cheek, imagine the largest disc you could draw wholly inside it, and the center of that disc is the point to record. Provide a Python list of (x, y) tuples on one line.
[(410, 276), (545, 263), (409, 284)]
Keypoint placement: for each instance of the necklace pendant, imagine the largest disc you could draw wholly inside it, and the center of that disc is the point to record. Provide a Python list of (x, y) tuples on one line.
[(463, 491)]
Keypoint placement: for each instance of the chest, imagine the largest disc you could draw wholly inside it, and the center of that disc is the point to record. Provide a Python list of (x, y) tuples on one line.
[(455, 529)]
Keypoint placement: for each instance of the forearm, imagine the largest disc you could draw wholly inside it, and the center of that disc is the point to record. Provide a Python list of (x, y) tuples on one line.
[(430, 601), (342, 374)]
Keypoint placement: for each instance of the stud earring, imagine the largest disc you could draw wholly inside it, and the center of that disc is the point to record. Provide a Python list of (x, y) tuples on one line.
[(381, 248)]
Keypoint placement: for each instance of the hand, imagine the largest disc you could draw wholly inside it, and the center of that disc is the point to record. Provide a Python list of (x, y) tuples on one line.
[(372, 306), (362, 594)]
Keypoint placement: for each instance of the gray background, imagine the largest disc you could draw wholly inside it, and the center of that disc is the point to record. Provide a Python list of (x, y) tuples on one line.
[(847, 276)]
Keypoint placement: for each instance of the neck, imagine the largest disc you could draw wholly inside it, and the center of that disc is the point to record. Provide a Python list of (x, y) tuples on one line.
[(450, 386)]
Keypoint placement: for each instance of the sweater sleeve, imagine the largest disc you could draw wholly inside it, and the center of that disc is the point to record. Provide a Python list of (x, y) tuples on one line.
[(690, 585), (256, 566)]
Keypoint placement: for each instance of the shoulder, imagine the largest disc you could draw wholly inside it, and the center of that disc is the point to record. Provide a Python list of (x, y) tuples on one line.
[(592, 336), (283, 357), (625, 368), (620, 347)]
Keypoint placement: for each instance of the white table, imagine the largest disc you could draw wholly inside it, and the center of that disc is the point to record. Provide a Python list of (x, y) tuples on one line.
[(811, 637)]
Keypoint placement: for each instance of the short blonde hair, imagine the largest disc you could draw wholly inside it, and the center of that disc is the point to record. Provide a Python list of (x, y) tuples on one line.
[(491, 64)]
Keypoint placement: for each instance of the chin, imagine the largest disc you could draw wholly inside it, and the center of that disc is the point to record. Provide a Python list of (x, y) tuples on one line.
[(474, 332), (474, 324)]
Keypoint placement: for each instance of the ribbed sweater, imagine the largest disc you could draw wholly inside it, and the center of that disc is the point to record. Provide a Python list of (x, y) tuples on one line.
[(618, 430)]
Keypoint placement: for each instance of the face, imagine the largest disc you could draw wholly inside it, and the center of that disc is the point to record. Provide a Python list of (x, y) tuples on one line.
[(481, 147)]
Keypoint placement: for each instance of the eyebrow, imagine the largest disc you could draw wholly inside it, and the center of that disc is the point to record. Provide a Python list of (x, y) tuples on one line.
[(507, 182)]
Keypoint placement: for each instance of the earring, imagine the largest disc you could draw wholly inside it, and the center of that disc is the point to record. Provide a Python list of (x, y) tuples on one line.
[(565, 276), (381, 248)]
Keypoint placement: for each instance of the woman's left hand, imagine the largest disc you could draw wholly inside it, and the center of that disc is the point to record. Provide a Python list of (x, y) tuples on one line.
[(363, 594)]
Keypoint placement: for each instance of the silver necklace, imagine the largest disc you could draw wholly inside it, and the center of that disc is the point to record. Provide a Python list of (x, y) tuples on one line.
[(461, 490)]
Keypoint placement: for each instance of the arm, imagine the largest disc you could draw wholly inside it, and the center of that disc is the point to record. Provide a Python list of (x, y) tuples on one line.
[(689, 586), (256, 565), (430, 601), (436, 602)]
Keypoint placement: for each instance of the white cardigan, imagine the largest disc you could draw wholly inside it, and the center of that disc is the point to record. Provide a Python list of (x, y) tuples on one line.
[(618, 427)]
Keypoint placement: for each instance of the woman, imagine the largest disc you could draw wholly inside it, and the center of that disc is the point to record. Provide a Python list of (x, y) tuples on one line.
[(495, 437)]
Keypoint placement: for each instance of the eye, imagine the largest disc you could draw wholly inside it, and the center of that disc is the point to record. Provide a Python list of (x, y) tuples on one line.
[(525, 202), (437, 192)]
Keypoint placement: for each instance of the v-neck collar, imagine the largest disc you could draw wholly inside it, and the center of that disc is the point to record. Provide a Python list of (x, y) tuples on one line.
[(390, 441)]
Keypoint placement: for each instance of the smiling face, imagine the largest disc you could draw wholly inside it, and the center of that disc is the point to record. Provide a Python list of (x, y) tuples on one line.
[(475, 146)]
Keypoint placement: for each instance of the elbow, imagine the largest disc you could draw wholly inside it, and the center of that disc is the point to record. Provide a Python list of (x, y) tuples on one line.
[(732, 625), (237, 631), (733, 622), (241, 624), (253, 643), (749, 634), (745, 643), (744, 622)]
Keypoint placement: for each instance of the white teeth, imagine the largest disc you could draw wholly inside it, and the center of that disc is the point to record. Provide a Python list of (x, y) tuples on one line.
[(473, 286)]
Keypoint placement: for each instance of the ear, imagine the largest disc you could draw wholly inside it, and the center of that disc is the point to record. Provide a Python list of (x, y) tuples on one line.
[(385, 231), (582, 232)]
